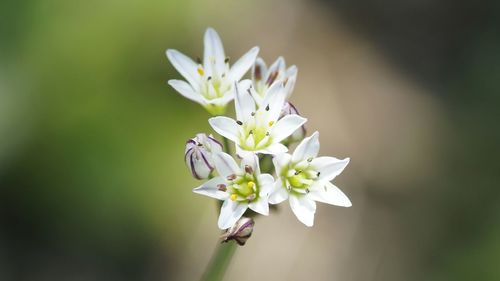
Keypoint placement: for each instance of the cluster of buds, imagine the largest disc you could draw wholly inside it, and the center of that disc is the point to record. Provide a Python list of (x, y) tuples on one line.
[(266, 123)]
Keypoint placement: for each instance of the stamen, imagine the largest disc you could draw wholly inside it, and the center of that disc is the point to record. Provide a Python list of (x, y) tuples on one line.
[(250, 132), (318, 174), (310, 159), (271, 123), (250, 184), (239, 122), (248, 169), (298, 172), (198, 60), (267, 107), (253, 113), (226, 60), (231, 177), (234, 197), (209, 78), (307, 190), (221, 187), (267, 134), (201, 71)]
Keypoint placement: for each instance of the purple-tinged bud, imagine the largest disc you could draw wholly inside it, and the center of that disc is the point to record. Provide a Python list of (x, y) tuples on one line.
[(240, 231), (300, 133), (198, 155)]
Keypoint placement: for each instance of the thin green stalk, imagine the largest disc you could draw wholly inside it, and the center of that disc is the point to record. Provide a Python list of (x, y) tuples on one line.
[(227, 148), (219, 262)]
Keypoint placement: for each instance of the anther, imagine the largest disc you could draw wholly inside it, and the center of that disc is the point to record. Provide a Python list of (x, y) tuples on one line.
[(310, 159), (221, 187), (253, 113), (198, 60), (250, 132), (319, 173), (231, 177), (307, 190), (226, 60), (201, 71), (209, 78), (298, 172), (234, 197), (267, 107), (267, 134), (250, 184), (199, 144), (249, 170), (271, 123), (239, 122)]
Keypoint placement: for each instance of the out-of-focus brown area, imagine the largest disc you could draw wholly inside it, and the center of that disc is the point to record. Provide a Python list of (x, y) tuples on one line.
[(92, 183)]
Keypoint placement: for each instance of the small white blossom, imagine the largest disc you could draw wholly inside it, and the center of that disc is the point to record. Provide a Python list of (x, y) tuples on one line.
[(198, 155), (304, 178), (210, 82), (263, 78), (258, 130), (241, 187)]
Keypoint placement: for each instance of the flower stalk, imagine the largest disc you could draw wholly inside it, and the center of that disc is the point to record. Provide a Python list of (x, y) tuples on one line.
[(220, 261)]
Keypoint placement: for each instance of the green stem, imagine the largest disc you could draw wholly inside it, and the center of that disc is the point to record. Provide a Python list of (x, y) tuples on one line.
[(219, 262), (227, 148)]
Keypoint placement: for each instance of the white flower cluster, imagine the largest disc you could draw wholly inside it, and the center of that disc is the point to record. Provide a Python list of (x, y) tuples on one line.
[(264, 127)]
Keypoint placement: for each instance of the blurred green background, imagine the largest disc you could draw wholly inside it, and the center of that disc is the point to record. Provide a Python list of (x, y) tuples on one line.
[(92, 180)]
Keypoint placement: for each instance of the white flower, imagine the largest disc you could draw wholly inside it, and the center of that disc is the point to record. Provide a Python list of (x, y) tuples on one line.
[(198, 155), (241, 187), (304, 178), (263, 78), (210, 84), (258, 130)]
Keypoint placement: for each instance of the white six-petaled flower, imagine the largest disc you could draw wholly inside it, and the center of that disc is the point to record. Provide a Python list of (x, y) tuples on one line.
[(304, 178), (241, 187), (263, 78), (210, 82), (258, 129)]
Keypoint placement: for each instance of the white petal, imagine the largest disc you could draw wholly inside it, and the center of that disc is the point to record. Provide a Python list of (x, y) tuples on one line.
[(185, 66), (308, 147), (329, 194), (281, 161), (262, 68), (230, 213), (225, 164), (213, 53), (286, 126), (274, 149), (210, 189), (329, 167), (225, 127), (303, 208), (260, 206), (244, 102), (186, 90), (222, 101), (266, 182), (291, 74), (251, 160), (278, 68), (279, 194), (275, 98), (240, 67)]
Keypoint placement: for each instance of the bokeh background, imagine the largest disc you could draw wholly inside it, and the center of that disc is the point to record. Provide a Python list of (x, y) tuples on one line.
[(92, 180)]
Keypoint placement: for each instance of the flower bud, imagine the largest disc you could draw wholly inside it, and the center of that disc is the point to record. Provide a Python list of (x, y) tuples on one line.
[(300, 133), (240, 231), (198, 155)]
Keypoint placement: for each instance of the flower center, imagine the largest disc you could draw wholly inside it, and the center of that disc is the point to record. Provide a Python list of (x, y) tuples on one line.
[(298, 178), (256, 131), (243, 188)]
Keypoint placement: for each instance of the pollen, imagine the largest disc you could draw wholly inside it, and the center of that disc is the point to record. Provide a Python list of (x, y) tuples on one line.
[(271, 123), (201, 71), (234, 197), (250, 184)]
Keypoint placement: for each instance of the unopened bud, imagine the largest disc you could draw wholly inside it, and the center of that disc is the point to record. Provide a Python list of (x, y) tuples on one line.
[(198, 155), (240, 231), (300, 133)]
